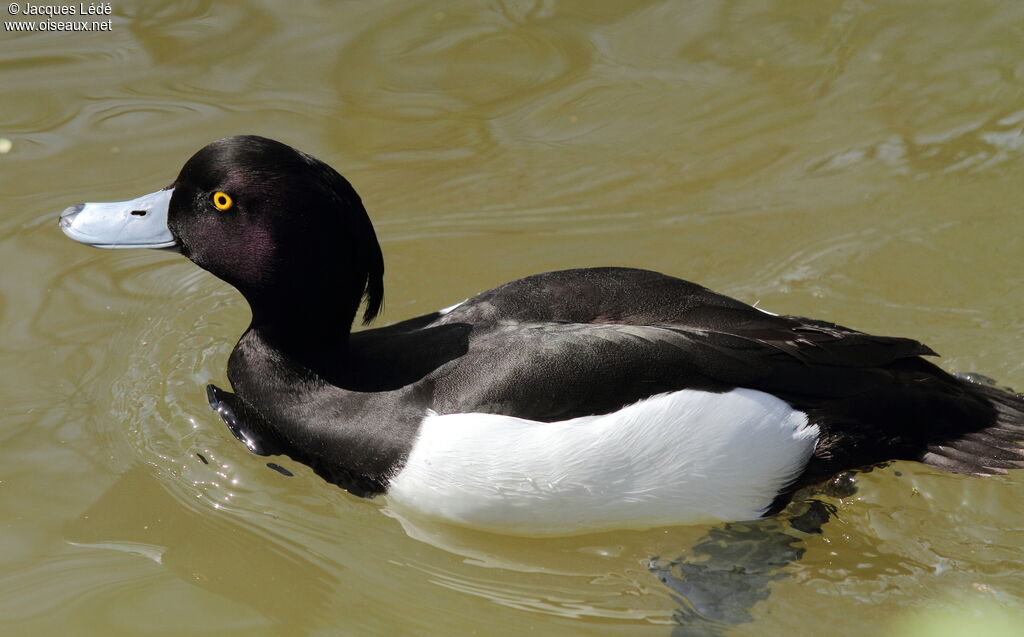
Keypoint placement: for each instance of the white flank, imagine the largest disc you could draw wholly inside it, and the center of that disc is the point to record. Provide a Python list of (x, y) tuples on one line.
[(680, 458)]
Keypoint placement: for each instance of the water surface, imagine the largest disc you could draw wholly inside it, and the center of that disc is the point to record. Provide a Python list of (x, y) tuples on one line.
[(855, 161)]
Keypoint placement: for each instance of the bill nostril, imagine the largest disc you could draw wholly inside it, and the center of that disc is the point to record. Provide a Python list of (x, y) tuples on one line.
[(139, 213)]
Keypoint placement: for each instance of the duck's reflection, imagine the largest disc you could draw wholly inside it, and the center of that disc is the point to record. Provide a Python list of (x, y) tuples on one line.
[(716, 582), (723, 576)]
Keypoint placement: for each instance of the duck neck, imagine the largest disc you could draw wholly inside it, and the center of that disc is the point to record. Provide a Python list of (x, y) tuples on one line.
[(309, 329)]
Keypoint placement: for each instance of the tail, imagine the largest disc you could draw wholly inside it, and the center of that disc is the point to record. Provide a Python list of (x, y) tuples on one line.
[(991, 449)]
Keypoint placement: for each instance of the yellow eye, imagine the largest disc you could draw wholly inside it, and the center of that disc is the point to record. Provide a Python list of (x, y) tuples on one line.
[(222, 200)]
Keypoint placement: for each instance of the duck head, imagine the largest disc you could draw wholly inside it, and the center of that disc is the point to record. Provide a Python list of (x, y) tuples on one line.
[(282, 227)]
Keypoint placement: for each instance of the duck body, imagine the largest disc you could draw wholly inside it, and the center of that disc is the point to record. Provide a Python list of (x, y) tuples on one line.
[(564, 402)]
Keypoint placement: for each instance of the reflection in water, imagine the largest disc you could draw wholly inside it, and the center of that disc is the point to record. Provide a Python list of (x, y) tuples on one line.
[(568, 577), (731, 569), (138, 515), (717, 582), (726, 573)]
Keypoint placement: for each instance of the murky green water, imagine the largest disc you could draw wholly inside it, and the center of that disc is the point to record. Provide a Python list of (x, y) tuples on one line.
[(856, 161)]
